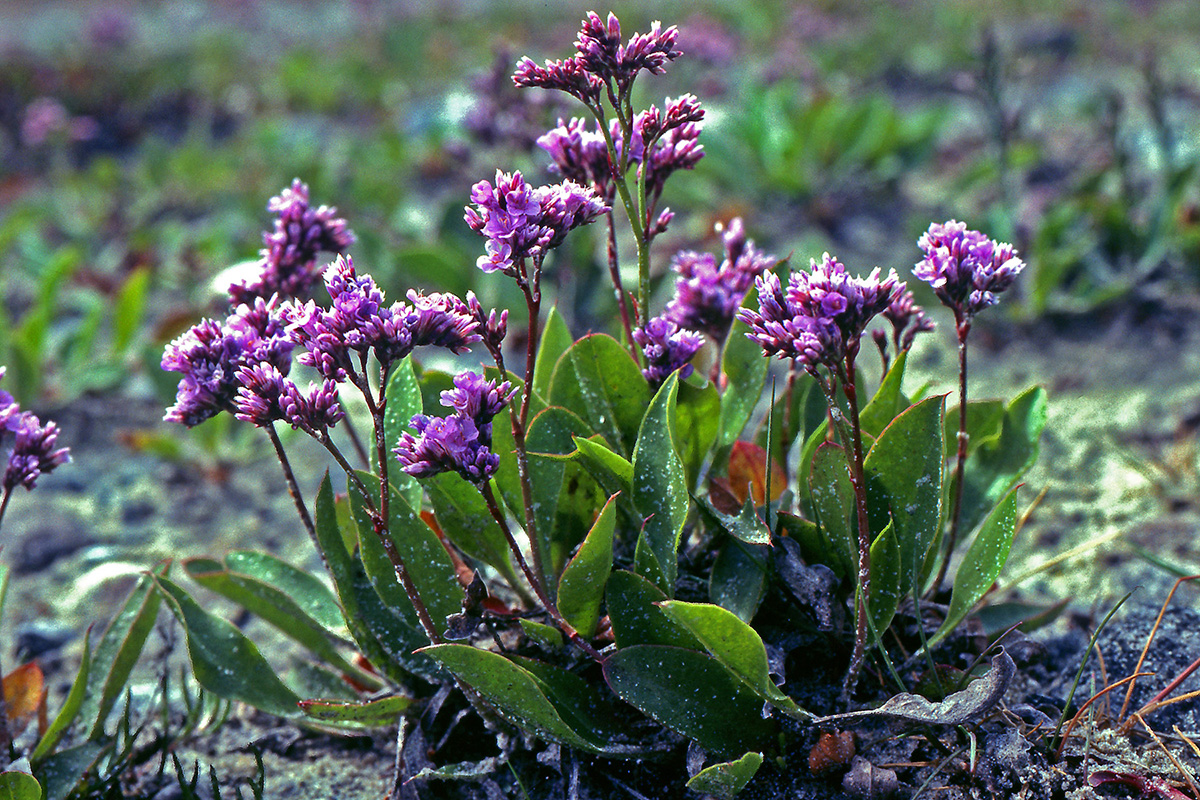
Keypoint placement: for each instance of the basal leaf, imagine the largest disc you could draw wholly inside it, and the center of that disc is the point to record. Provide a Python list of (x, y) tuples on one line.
[(637, 619), (465, 520), (659, 489), (385, 638), (613, 470), (739, 577), (117, 652), (70, 708), (748, 474), (691, 693), (723, 781), (556, 340), (403, 402), (224, 661), (379, 713), (578, 702), (426, 560), (19, 786), (697, 423), (886, 579), (736, 645), (833, 504), (996, 465), (888, 401), (904, 472), (513, 691), (286, 610), (981, 564), (597, 377), (581, 585), (561, 493)]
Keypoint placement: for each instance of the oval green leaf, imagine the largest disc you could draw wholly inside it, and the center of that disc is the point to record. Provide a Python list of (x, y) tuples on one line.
[(659, 489), (723, 781), (581, 585)]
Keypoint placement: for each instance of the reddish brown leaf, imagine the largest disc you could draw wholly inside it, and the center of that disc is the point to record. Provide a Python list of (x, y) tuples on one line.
[(748, 467), (24, 694)]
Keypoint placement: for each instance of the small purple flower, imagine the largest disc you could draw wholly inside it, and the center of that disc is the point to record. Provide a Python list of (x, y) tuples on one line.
[(965, 268), (288, 262), (667, 348), (209, 354), (566, 75), (492, 325), (821, 315), (707, 295), (33, 453), (580, 154), (602, 54), (460, 442), (359, 322), (908, 319), (520, 222), (265, 395)]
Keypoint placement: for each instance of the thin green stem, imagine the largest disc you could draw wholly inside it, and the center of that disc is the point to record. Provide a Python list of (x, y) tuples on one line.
[(293, 487), (535, 581), (4, 503), (963, 327)]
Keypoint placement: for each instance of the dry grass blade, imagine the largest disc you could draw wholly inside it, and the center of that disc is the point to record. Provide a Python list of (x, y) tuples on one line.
[(1146, 649), (1187, 777), (1079, 714)]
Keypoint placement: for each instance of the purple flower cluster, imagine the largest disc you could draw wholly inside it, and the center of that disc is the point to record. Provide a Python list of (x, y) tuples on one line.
[(521, 222), (667, 348), (821, 315), (209, 355), (265, 395), (287, 265), (34, 452), (602, 61), (460, 442), (580, 153), (707, 295), (965, 268), (359, 322)]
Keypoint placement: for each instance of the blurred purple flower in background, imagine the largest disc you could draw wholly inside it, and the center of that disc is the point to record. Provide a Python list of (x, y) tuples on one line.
[(707, 295), (667, 348), (287, 265)]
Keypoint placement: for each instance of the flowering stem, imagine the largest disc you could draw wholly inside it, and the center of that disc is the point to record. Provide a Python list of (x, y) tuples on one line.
[(293, 487), (614, 272), (533, 301), (963, 326), (535, 581), (4, 507), (858, 480), (356, 441), (632, 209)]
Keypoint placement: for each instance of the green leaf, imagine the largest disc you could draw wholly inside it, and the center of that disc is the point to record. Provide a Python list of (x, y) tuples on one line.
[(697, 423), (224, 661), (465, 520), (996, 465), (545, 635), (984, 419), (578, 702), (19, 786), (659, 489), (597, 377), (723, 781), (62, 771), (117, 652), (385, 638), (637, 619), (513, 691), (70, 708), (691, 693), (613, 471), (745, 368), (981, 564), (564, 496), (736, 645), (904, 471), (746, 526), (243, 578), (886, 579), (428, 564), (404, 401), (832, 495), (556, 340), (581, 585), (888, 401), (739, 578), (129, 309), (372, 714)]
